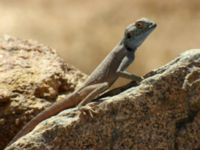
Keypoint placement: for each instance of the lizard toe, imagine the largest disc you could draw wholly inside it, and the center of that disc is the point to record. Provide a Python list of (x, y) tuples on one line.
[(88, 110)]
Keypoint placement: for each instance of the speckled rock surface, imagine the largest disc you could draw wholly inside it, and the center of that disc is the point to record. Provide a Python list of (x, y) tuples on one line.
[(162, 113), (32, 76)]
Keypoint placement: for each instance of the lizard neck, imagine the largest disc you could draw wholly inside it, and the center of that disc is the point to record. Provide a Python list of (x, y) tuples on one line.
[(127, 47), (130, 49)]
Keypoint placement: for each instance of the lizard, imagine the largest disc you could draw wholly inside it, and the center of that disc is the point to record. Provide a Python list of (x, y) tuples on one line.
[(106, 73)]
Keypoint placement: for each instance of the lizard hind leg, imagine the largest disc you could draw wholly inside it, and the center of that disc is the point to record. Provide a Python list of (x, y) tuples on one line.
[(97, 90)]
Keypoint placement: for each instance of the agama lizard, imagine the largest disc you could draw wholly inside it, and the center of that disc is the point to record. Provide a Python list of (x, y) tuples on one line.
[(112, 67)]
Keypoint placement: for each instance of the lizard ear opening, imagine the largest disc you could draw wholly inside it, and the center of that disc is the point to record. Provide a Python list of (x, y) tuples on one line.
[(128, 35)]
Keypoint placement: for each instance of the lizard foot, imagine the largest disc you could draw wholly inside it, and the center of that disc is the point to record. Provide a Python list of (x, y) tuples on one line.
[(87, 110)]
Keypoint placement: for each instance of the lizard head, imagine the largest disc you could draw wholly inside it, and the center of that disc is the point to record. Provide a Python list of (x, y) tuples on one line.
[(137, 32)]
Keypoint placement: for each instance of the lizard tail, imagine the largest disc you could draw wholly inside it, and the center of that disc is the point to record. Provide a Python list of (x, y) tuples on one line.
[(69, 102)]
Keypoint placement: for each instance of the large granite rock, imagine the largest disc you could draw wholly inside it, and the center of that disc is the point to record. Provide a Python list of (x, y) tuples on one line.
[(160, 113), (32, 77)]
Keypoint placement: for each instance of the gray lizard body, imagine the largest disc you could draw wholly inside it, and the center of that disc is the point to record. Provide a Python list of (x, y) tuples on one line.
[(105, 74)]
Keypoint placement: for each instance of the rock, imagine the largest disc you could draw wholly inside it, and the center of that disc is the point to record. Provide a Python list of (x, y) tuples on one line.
[(160, 113), (32, 77)]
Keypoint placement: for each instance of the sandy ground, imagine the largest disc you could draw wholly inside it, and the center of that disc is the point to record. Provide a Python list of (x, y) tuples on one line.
[(84, 32)]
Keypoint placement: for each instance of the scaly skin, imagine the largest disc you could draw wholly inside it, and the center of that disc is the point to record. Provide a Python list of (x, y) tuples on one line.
[(106, 73)]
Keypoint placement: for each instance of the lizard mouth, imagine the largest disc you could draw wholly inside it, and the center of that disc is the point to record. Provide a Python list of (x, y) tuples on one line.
[(153, 26)]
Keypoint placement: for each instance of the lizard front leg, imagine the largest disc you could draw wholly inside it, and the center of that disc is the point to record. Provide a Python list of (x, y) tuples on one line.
[(127, 60), (130, 76)]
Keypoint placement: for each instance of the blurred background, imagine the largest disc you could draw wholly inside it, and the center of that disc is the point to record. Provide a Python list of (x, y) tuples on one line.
[(83, 32)]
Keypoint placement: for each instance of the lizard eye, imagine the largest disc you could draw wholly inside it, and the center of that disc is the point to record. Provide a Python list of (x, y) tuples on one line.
[(139, 25)]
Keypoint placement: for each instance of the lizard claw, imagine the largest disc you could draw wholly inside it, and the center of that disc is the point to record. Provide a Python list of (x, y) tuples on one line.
[(139, 80), (87, 110)]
